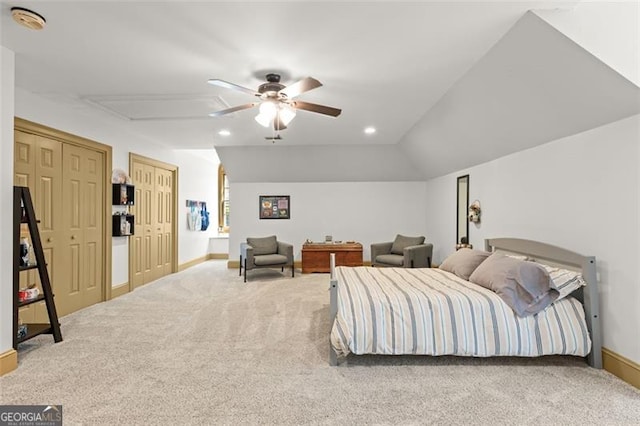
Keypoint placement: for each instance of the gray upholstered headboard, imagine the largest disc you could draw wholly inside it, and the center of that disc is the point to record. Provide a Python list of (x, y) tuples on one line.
[(557, 256)]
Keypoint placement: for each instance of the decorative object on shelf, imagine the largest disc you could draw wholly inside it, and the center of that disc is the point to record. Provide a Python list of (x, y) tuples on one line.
[(22, 331), (275, 207), (24, 252), (120, 176), (125, 227), (28, 293), (474, 212)]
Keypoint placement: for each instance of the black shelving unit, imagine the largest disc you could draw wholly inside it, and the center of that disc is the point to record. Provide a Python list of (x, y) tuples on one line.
[(123, 221), (122, 225), (23, 212), (123, 194)]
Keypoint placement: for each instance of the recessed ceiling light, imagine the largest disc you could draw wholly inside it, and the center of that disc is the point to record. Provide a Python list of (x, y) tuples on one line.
[(370, 130), (224, 133), (28, 18)]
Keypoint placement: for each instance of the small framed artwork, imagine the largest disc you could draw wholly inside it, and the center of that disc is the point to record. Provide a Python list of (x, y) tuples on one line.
[(275, 207)]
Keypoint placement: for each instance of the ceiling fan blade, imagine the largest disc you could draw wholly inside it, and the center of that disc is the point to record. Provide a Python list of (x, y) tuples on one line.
[(304, 85), (322, 109), (278, 124), (227, 85), (234, 109)]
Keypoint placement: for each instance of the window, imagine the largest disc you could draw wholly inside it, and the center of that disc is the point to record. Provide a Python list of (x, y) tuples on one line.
[(223, 200)]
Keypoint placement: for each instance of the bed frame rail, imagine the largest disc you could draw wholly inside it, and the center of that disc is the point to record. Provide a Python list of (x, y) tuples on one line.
[(333, 307), (560, 257)]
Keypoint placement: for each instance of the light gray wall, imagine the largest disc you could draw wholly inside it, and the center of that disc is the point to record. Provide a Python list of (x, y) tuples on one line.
[(7, 76), (333, 163), (361, 211), (581, 193)]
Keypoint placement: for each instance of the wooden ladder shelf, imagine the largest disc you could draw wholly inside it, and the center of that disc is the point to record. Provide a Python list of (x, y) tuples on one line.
[(23, 212)]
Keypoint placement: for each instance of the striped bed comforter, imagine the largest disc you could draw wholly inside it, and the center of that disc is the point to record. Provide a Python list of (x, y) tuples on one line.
[(433, 312)]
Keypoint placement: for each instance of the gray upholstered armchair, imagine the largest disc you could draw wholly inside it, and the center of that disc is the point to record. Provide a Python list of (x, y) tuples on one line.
[(404, 252), (265, 252)]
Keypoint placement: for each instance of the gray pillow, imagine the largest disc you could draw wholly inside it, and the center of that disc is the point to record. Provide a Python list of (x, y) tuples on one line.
[(463, 262), (263, 245), (524, 286), (401, 242)]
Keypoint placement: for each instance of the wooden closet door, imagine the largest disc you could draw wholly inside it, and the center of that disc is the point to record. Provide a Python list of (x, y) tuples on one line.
[(24, 174), (152, 246), (137, 240), (38, 165), (158, 230), (82, 214), (93, 217), (167, 252), (149, 245)]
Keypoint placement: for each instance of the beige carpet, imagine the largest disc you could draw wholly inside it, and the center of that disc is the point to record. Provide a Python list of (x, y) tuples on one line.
[(201, 347)]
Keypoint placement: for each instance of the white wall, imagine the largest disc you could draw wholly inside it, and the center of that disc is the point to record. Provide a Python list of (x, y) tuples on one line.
[(198, 181), (361, 211), (579, 192), (7, 75), (197, 173)]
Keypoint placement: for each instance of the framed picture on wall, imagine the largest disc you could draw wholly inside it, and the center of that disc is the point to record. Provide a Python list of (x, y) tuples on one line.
[(275, 207)]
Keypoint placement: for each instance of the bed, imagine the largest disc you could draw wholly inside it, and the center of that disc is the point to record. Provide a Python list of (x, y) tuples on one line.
[(425, 311)]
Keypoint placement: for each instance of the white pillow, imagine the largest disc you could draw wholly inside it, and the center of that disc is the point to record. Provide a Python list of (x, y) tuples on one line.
[(564, 280)]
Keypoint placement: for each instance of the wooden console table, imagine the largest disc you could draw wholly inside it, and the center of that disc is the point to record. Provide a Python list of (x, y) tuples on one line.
[(315, 256)]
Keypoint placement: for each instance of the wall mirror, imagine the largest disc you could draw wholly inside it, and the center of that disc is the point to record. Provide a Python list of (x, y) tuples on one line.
[(462, 224)]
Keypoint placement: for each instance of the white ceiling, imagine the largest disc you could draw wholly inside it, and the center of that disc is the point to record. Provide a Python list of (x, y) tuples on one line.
[(384, 63)]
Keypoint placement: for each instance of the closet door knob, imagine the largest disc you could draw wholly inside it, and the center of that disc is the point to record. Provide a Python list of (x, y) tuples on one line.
[(49, 239), (73, 237)]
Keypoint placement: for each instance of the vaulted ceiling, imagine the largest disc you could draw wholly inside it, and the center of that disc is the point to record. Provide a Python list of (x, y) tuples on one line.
[(446, 84)]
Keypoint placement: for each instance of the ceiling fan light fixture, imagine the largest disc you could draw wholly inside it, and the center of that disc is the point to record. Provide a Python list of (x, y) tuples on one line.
[(268, 111), (263, 120), (287, 113)]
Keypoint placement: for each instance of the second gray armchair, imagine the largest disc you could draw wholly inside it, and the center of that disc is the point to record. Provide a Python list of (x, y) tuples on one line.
[(403, 252)]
